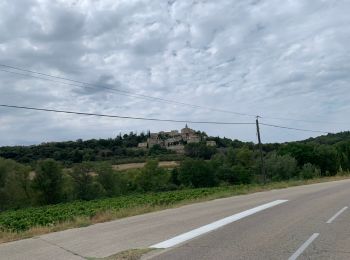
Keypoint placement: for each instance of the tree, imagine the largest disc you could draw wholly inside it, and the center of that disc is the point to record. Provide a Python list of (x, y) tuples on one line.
[(196, 173), (15, 190), (244, 157), (157, 149), (327, 159), (309, 171), (303, 153), (241, 174), (199, 150), (343, 149), (174, 177), (109, 180), (236, 174), (48, 181), (86, 188), (281, 167), (152, 177), (236, 167), (224, 173)]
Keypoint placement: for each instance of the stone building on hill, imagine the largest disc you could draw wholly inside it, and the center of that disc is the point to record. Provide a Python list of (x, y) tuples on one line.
[(211, 143), (173, 140)]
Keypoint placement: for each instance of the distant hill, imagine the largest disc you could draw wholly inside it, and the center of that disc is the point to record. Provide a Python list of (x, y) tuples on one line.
[(123, 148), (329, 139)]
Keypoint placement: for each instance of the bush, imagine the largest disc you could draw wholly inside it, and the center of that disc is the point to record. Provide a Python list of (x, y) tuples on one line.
[(309, 171), (48, 181), (153, 178), (196, 173), (109, 180), (15, 188), (158, 150), (199, 150), (244, 157), (224, 173), (327, 160), (242, 174), (280, 167), (85, 186)]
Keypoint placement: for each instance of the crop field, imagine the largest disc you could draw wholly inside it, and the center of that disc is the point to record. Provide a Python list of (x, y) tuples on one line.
[(23, 219), (17, 222)]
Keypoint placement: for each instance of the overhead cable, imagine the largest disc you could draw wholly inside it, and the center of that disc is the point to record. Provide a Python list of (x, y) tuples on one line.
[(82, 84), (297, 129), (115, 90), (125, 117), (156, 119)]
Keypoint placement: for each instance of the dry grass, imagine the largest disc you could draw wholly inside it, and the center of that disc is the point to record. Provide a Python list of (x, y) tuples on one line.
[(132, 254), (129, 166), (127, 212)]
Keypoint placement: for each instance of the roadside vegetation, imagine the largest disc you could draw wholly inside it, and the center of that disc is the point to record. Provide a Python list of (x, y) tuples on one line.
[(29, 222), (132, 254), (46, 195)]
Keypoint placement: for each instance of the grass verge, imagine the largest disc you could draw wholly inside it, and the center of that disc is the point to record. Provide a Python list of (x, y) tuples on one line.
[(132, 254), (31, 222)]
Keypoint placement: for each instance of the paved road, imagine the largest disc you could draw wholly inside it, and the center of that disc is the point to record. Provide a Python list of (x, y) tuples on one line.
[(295, 228), (279, 232)]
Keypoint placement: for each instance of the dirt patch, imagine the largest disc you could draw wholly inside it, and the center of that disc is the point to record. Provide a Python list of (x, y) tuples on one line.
[(129, 166), (132, 254)]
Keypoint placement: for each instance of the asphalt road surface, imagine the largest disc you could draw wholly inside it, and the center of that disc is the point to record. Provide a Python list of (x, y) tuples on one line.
[(305, 222)]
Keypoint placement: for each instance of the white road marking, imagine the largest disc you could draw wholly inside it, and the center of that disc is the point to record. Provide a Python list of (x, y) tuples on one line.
[(336, 215), (215, 225), (303, 247)]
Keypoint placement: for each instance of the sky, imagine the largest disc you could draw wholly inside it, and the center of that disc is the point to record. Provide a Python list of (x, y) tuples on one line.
[(285, 59)]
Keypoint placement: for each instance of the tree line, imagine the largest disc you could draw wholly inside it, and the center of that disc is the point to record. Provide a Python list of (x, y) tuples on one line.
[(49, 181), (120, 148), (71, 152)]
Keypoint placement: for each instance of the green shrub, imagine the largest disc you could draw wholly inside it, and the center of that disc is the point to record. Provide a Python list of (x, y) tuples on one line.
[(196, 173), (309, 171), (153, 178), (281, 167), (15, 185), (85, 185), (48, 181)]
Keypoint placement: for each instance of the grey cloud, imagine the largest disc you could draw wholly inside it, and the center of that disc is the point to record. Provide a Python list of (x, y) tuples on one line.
[(257, 57), (104, 83)]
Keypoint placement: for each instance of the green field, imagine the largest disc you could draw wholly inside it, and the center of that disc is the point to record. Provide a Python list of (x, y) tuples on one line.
[(19, 221), (23, 219)]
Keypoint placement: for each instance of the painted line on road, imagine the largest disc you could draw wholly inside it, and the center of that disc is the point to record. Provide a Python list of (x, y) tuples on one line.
[(336, 215), (303, 247), (215, 225)]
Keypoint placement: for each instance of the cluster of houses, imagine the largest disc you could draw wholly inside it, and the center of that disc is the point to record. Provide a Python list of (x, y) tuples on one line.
[(174, 140)]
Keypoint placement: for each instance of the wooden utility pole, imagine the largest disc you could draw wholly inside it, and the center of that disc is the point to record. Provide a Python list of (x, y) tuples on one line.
[(262, 170)]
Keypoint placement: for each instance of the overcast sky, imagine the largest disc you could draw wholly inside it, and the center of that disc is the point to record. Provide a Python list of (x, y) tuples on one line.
[(274, 58)]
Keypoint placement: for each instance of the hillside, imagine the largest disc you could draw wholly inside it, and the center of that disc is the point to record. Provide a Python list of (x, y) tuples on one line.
[(330, 139), (124, 149)]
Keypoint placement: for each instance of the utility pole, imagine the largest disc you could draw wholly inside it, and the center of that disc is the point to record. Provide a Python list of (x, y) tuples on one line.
[(262, 170)]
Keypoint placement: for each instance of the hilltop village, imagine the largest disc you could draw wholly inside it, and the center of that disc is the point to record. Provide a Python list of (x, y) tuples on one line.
[(174, 140)]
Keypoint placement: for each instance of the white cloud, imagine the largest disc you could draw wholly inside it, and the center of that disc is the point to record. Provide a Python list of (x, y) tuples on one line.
[(257, 57)]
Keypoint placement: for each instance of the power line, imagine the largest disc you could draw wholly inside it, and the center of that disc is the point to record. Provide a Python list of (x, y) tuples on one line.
[(297, 129), (82, 84), (155, 119), (302, 120), (119, 91), (64, 83), (125, 117)]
